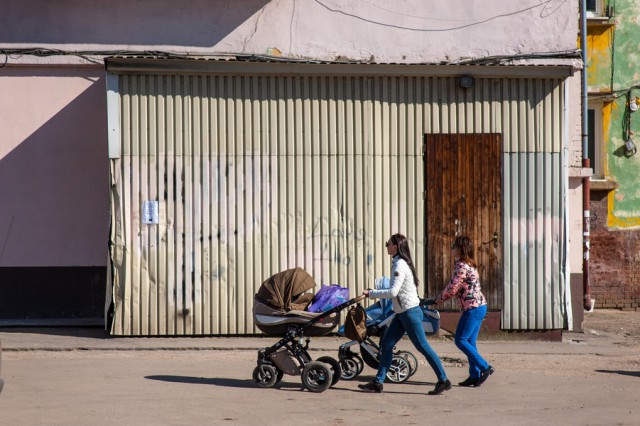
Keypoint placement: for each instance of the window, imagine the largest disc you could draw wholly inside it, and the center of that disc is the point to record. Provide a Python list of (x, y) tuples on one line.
[(595, 141), (595, 8)]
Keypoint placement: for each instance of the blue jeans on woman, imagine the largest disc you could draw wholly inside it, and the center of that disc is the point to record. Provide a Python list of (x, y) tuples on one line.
[(466, 336), (409, 321)]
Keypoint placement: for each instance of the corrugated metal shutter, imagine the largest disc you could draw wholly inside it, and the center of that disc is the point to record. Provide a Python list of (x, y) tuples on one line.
[(533, 206), (257, 174)]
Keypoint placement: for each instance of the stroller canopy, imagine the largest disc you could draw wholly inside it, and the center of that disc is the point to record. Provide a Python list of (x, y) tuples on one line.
[(280, 289)]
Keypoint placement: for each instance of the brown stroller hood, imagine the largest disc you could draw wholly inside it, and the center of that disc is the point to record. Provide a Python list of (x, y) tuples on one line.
[(281, 302), (282, 290)]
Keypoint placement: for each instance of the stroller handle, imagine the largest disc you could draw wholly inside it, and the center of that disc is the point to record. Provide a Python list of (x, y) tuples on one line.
[(358, 298)]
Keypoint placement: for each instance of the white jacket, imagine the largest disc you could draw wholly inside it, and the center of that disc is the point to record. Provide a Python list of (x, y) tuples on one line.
[(403, 288)]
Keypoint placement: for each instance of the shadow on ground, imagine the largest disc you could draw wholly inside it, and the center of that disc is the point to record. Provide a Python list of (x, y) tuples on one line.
[(246, 384), (621, 372), (216, 381)]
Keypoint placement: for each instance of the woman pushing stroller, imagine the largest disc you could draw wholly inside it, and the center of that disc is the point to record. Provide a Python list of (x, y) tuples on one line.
[(409, 316)]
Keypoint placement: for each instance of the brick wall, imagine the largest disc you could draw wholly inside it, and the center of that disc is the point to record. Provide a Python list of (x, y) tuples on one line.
[(574, 158), (614, 263)]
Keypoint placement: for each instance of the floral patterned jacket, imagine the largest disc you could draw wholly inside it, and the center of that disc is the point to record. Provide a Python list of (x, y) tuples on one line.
[(465, 284)]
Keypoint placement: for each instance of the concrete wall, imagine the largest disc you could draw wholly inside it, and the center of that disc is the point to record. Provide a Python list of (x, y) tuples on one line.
[(54, 219), (614, 61), (624, 212), (53, 173), (574, 163), (53, 149), (413, 31)]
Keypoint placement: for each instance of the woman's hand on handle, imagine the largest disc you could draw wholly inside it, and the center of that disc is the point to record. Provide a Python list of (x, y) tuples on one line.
[(359, 298), (428, 301)]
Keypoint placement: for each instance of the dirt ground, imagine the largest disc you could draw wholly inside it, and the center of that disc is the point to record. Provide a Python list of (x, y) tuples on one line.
[(590, 378), (620, 323)]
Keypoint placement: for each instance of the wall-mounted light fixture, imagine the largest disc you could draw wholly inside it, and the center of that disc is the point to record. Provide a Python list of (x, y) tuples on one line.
[(466, 81), (629, 148), (633, 104)]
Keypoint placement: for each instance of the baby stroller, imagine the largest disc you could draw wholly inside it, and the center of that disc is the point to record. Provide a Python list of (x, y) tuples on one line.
[(290, 354), (281, 302), (404, 364)]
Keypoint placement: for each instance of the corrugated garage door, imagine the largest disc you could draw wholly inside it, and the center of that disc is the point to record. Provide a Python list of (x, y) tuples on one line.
[(249, 175)]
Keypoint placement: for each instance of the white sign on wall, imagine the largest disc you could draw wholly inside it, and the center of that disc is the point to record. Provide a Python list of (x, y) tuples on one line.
[(150, 212)]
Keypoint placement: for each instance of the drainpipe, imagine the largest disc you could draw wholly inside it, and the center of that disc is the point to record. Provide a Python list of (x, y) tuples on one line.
[(586, 199)]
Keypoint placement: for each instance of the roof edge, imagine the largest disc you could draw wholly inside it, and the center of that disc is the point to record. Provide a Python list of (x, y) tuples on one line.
[(231, 65)]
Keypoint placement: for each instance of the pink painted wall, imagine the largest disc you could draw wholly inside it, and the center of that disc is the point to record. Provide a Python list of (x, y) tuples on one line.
[(54, 200), (408, 31), (53, 148)]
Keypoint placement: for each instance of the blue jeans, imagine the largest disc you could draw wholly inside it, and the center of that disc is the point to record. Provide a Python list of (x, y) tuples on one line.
[(466, 336), (409, 321)]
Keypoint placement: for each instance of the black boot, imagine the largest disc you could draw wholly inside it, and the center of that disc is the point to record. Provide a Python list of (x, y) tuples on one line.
[(468, 382), (441, 387), (485, 375), (371, 387)]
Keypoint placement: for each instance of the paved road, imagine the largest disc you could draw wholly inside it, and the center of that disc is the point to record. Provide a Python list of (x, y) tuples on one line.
[(79, 377)]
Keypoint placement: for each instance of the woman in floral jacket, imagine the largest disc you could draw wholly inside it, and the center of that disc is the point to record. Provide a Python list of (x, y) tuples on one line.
[(465, 285)]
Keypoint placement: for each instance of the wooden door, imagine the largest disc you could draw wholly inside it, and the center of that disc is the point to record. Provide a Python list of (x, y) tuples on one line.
[(463, 177)]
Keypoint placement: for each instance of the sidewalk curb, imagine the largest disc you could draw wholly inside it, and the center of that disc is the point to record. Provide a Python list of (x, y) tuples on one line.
[(147, 349)]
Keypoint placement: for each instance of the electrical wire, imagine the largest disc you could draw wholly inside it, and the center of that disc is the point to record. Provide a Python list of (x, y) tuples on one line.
[(626, 119), (505, 59), (545, 5)]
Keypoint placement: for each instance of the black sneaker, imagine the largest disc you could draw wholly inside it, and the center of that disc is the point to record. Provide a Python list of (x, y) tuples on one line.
[(485, 375), (371, 387), (468, 382), (441, 387)]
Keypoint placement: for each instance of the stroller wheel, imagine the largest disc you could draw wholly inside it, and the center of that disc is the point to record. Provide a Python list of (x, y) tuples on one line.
[(336, 370), (265, 375), (351, 366), (411, 359), (400, 369), (317, 376)]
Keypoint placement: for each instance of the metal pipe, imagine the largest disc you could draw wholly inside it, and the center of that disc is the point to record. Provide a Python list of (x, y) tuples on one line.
[(586, 199), (568, 300)]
